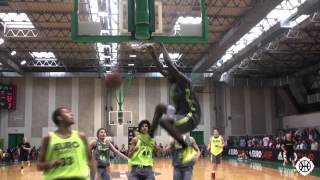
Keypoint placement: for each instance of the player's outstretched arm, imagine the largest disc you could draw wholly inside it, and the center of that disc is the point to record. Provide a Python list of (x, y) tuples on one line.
[(116, 151), (155, 58), (172, 69)]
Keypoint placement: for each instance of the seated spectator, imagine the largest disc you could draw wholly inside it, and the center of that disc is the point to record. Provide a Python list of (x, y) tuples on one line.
[(123, 149), (303, 145), (242, 142), (271, 143), (242, 155), (314, 145), (266, 141), (249, 143)]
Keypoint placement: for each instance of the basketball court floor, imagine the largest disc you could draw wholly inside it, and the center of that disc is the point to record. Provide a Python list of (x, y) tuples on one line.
[(230, 169)]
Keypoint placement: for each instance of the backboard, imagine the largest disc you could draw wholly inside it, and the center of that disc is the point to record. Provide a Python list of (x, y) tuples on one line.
[(120, 117), (140, 20)]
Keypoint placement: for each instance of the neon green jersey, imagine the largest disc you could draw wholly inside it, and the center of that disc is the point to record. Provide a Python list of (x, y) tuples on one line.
[(144, 155), (215, 142), (72, 151)]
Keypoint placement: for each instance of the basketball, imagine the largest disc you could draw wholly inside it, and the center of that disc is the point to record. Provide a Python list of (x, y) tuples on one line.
[(113, 80)]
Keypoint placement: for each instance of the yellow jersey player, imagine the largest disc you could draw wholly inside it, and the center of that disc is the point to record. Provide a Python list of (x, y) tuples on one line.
[(65, 153), (141, 154), (215, 147)]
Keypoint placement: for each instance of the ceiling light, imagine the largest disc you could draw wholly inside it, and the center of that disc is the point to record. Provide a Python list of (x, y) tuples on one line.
[(23, 62), (130, 64), (1, 41), (13, 53), (134, 45), (43, 55), (132, 56), (173, 56), (16, 21), (281, 12)]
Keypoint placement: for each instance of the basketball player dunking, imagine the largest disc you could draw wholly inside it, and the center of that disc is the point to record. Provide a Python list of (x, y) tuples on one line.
[(215, 147), (185, 115)]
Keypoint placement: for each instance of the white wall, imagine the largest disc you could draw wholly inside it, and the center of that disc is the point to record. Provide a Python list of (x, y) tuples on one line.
[(97, 101), (258, 112), (300, 121)]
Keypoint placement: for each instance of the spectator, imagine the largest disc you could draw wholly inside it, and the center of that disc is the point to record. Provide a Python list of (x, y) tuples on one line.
[(249, 143), (303, 145), (271, 143), (123, 149), (1, 154), (266, 141), (242, 142), (314, 146)]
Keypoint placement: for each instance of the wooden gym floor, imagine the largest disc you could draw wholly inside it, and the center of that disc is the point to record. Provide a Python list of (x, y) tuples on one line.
[(229, 170)]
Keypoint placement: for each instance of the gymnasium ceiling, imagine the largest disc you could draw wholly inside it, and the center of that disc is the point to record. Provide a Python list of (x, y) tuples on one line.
[(277, 51)]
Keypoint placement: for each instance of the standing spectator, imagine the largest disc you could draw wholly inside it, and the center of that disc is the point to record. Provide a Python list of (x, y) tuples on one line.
[(288, 150), (24, 151)]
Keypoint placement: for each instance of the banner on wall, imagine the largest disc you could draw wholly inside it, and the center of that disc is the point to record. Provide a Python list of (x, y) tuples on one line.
[(271, 154)]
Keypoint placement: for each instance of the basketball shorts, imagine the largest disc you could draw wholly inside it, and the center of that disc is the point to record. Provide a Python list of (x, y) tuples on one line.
[(216, 159), (289, 156)]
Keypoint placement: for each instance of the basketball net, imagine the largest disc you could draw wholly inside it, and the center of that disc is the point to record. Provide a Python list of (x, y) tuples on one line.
[(124, 88)]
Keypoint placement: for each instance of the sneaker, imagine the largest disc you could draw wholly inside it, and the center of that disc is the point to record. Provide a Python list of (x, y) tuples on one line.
[(188, 154), (213, 175)]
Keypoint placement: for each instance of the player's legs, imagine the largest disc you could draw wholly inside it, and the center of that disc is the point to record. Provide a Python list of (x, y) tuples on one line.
[(166, 123), (148, 174), (177, 174), (159, 111), (133, 174), (104, 174), (216, 160), (187, 173), (291, 159), (285, 158), (22, 167)]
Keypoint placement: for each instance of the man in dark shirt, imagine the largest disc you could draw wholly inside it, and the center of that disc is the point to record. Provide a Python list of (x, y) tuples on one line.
[(288, 151), (25, 149)]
